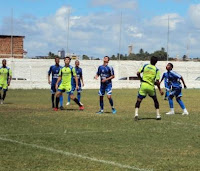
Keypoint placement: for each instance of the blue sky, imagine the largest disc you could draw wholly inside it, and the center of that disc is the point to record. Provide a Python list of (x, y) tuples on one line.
[(94, 25)]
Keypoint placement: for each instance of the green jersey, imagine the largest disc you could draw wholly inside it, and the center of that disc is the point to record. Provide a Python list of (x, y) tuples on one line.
[(150, 74), (66, 74), (5, 73)]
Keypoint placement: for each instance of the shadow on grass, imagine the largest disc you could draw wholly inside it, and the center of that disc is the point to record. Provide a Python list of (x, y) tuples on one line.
[(146, 118)]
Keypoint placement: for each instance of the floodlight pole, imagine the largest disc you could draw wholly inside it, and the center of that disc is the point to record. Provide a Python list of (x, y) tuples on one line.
[(11, 30), (168, 40), (120, 34), (68, 31)]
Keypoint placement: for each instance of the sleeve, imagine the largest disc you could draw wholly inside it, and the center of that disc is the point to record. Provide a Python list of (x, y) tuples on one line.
[(142, 68), (50, 70), (10, 72), (112, 71), (176, 75), (60, 73), (99, 71), (158, 75), (74, 71)]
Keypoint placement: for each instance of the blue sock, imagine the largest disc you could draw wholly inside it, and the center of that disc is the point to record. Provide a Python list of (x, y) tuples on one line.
[(171, 104), (101, 102), (68, 98), (111, 102), (180, 102), (61, 100), (79, 96), (167, 94)]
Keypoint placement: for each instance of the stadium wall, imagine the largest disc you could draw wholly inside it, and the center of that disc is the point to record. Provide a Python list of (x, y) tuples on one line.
[(32, 73)]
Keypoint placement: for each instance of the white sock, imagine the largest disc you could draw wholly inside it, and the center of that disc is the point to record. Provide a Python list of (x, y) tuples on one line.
[(185, 110), (136, 111), (157, 112), (172, 109)]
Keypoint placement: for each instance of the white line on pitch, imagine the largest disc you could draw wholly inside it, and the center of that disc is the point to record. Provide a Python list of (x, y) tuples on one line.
[(74, 155)]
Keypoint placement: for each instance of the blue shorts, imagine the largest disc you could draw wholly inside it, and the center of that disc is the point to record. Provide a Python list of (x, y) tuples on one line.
[(176, 92), (105, 88), (74, 88)]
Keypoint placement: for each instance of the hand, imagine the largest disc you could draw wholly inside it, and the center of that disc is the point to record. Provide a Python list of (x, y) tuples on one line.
[(9, 83), (49, 81), (103, 81), (95, 77), (77, 87), (83, 84), (185, 87), (56, 86), (161, 93)]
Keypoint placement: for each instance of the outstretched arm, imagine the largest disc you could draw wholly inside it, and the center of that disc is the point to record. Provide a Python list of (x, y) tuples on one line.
[(158, 85), (183, 82)]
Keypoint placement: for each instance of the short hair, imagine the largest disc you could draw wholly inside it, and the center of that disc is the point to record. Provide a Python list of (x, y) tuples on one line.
[(67, 57), (57, 57), (170, 64), (3, 60), (154, 60), (107, 57)]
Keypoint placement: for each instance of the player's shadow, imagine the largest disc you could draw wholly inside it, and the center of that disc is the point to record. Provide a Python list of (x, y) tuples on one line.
[(69, 109), (146, 119)]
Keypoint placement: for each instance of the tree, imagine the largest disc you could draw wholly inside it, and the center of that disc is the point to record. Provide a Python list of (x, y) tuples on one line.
[(85, 57)]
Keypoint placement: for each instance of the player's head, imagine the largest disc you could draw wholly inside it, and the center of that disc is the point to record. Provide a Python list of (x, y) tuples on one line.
[(106, 59), (67, 60), (153, 60), (77, 63), (4, 62), (169, 66), (57, 60)]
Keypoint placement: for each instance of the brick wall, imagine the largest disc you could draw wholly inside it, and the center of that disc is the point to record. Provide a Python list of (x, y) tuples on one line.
[(5, 46)]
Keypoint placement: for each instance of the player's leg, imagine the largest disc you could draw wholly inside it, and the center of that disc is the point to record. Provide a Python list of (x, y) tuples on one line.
[(79, 91), (53, 92), (141, 95), (109, 96), (68, 94), (5, 88), (61, 102), (101, 103), (1, 102), (180, 102), (81, 107), (68, 100), (171, 103)]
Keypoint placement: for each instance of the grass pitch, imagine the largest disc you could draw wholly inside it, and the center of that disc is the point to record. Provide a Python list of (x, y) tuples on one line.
[(33, 137)]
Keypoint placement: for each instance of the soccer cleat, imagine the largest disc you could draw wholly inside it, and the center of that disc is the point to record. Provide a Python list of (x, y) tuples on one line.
[(136, 118), (99, 112), (68, 103), (61, 108), (158, 117), (81, 108), (170, 113), (185, 113), (55, 109), (114, 111)]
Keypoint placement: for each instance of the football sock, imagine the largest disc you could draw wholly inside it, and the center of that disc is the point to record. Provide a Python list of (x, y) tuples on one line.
[(167, 94), (101, 102), (156, 104), (52, 99), (77, 102), (180, 102), (171, 104), (61, 100), (111, 102), (157, 112), (57, 101), (79, 96), (4, 95), (0, 96), (68, 99), (136, 111), (137, 104)]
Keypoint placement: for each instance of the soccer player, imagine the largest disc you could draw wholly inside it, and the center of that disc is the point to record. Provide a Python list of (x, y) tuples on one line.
[(65, 76), (167, 85), (5, 79), (79, 75), (54, 71), (150, 77), (107, 74), (174, 79)]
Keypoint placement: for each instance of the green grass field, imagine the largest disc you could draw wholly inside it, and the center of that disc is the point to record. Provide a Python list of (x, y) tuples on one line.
[(33, 137)]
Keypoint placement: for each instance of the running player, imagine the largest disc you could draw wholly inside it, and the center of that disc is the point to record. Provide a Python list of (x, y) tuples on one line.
[(79, 75), (150, 77), (174, 79), (107, 74), (5, 79), (65, 76), (54, 71)]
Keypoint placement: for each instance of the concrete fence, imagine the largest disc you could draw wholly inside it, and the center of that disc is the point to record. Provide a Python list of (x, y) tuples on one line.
[(32, 73)]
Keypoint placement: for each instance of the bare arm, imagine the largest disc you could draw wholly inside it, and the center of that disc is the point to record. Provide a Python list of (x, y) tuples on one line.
[(96, 77), (183, 82), (82, 81), (9, 80), (139, 76), (109, 78), (76, 80), (58, 80), (158, 85), (49, 81)]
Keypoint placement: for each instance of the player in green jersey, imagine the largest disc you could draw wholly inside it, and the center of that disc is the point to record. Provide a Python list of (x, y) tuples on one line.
[(5, 79), (150, 77), (65, 76)]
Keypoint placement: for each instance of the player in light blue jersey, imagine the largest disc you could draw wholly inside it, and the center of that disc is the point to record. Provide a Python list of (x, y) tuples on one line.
[(167, 85), (106, 74), (54, 71), (79, 75), (174, 80)]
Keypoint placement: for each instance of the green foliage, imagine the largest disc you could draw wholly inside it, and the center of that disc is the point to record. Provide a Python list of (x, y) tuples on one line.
[(85, 57), (27, 117)]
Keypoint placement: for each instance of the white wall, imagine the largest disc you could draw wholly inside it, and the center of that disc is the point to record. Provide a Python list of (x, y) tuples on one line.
[(35, 72)]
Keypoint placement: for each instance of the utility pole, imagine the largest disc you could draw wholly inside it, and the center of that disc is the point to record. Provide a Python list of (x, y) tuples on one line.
[(168, 40), (120, 34), (11, 30), (68, 26)]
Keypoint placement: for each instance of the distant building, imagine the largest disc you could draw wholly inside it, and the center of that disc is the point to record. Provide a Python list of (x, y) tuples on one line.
[(130, 49), (11, 46), (74, 56), (61, 53)]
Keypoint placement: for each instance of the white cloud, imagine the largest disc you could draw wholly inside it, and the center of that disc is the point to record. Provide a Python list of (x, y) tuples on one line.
[(118, 4), (194, 14)]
